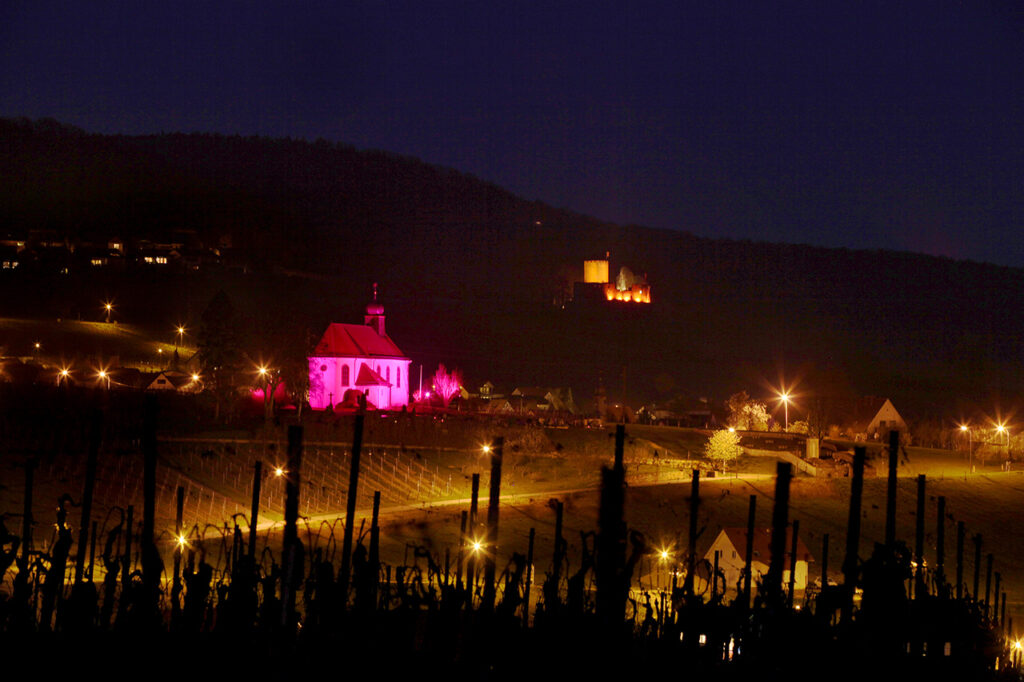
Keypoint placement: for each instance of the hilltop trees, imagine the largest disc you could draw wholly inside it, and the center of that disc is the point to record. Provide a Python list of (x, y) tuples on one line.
[(746, 414)]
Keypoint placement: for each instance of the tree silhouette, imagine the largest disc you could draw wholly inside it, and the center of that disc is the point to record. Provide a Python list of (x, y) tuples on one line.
[(447, 385), (219, 353)]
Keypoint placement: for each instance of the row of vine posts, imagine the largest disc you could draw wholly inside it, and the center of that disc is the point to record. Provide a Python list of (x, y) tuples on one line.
[(460, 611)]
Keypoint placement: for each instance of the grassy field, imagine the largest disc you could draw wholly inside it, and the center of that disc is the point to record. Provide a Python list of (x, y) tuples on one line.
[(68, 341)]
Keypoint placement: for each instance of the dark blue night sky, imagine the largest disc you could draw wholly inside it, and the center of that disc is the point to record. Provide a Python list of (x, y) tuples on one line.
[(868, 125)]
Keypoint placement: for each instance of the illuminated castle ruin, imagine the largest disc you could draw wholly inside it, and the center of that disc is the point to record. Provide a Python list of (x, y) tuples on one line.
[(597, 285)]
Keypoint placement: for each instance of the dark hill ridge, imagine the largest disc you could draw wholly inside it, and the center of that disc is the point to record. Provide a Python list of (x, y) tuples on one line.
[(468, 272)]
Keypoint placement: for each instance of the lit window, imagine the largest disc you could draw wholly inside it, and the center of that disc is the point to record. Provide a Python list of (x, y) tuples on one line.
[(162, 260), (398, 377), (97, 261), (148, 259), (344, 375)]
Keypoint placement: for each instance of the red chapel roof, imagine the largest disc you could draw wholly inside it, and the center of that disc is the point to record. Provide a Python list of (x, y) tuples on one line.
[(356, 340)]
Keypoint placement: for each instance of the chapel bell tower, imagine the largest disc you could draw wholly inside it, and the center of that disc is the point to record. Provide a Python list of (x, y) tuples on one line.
[(375, 314)]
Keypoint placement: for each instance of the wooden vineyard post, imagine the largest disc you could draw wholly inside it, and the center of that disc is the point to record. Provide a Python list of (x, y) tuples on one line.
[(95, 436), (375, 549), (292, 561), (26, 521), (151, 563), (850, 561), (940, 549), (691, 543), (890, 499), (474, 540), (493, 502), (780, 516), (919, 584), (254, 511), (611, 541), (792, 564), (350, 509), (749, 554), (529, 579), (960, 536)]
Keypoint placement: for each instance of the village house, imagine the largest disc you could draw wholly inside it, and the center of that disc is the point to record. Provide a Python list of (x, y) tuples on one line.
[(538, 399), (873, 418), (354, 359), (731, 544), (179, 382)]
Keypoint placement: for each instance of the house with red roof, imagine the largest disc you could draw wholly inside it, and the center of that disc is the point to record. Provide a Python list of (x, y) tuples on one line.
[(731, 544), (359, 359)]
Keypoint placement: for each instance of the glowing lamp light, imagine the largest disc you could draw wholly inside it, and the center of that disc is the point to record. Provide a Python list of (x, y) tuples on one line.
[(181, 330), (665, 554), (486, 449), (182, 541), (195, 377), (732, 429), (476, 546), (102, 374), (108, 306), (262, 371), (64, 373), (963, 427), (37, 345), (278, 471)]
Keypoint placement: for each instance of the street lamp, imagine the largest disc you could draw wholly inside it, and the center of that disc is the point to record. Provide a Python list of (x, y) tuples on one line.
[(181, 336), (103, 376), (63, 375), (970, 446), (266, 375), (109, 307), (784, 397), (1001, 429)]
